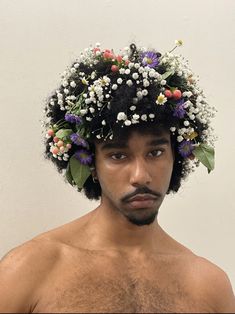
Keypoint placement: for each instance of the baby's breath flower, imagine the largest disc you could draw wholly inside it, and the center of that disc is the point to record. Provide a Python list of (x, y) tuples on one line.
[(132, 108), (121, 116)]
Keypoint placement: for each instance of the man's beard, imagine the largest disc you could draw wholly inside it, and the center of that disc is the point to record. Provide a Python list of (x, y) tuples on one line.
[(141, 219)]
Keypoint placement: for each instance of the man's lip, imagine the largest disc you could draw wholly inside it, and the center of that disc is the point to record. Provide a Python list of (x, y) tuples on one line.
[(142, 197)]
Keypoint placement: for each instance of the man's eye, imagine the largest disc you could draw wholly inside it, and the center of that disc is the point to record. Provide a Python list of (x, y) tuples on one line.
[(156, 152), (118, 156)]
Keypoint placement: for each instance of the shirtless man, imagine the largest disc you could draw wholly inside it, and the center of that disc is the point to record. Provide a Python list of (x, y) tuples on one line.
[(116, 258)]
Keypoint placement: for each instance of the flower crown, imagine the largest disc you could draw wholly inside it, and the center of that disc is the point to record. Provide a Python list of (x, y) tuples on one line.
[(86, 95)]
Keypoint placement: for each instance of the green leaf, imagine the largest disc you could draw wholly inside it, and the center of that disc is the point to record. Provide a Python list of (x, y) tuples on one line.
[(69, 175), (167, 74), (63, 133), (79, 172), (206, 155)]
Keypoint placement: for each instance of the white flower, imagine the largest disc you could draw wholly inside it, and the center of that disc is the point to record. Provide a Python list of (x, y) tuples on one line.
[(135, 76), (127, 122), (60, 102), (186, 123), (146, 83), (129, 83), (151, 115), (72, 70), (144, 117), (88, 101), (114, 86), (66, 91), (132, 108), (137, 65), (93, 75), (172, 129), (161, 99), (121, 116), (180, 138), (73, 84), (88, 118), (103, 122), (163, 82), (135, 116), (92, 110), (144, 92), (76, 65), (187, 94), (122, 71), (139, 94), (83, 112), (119, 80), (141, 70), (152, 73), (127, 71), (65, 83)]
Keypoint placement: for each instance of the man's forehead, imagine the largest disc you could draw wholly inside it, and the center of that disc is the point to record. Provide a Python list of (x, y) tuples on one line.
[(149, 138)]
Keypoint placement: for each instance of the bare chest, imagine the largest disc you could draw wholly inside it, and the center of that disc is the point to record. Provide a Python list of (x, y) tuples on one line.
[(104, 285)]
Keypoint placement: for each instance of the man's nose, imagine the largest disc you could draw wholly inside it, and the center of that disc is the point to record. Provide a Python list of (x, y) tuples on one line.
[(140, 173)]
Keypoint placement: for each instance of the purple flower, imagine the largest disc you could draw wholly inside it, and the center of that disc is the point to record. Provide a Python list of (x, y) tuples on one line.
[(149, 58), (185, 148), (72, 118), (83, 156), (78, 140), (179, 111)]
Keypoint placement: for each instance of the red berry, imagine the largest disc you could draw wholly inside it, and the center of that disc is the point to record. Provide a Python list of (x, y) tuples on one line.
[(60, 143), (55, 139), (55, 150), (177, 94), (168, 93), (119, 58), (50, 132), (96, 49), (114, 68)]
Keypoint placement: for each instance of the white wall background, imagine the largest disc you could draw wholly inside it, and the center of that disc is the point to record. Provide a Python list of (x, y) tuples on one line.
[(39, 39)]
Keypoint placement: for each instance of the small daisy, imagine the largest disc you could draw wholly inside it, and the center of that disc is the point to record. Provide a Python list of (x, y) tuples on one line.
[(161, 99)]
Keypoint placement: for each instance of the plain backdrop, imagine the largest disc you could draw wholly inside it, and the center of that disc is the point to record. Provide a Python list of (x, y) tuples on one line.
[(39, 39)]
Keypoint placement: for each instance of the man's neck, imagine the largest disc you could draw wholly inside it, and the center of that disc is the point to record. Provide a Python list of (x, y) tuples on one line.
[(109, 229)]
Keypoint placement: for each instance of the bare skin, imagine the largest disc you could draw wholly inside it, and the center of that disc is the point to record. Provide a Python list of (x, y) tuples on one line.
[(116, 258)]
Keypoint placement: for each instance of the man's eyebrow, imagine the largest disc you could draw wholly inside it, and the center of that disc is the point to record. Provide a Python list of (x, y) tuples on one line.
[(159, 141), (114, 145), (122, 145)]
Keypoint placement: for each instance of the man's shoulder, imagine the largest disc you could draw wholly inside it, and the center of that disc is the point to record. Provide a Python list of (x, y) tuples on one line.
[(23, 271), (212, 281), (36, 254)]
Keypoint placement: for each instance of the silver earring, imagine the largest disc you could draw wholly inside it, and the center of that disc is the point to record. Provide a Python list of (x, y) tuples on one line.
[(95, 179)]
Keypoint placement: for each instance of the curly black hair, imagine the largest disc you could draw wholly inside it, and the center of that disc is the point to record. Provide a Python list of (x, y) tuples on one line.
[(119, 102)]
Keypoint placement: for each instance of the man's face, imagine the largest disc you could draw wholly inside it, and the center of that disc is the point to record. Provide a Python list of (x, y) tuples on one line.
[(135, 174)]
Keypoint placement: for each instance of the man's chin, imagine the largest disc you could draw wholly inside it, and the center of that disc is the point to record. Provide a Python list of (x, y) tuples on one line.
[(142, 217)]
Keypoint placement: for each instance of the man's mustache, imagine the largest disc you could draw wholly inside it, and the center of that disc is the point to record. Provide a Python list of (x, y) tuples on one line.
[(142, 190)]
